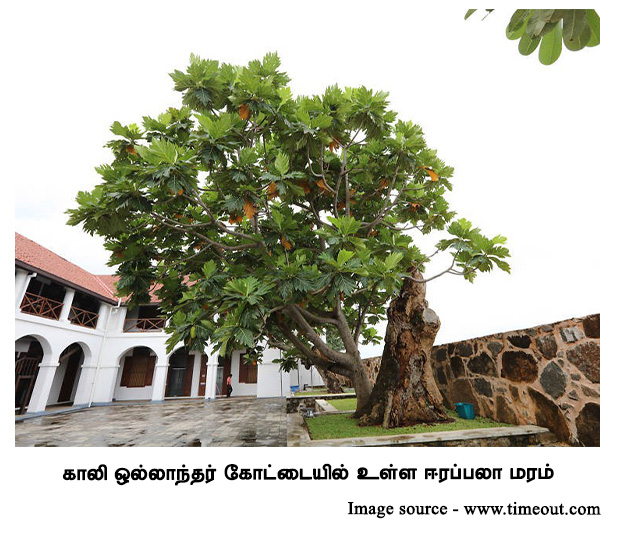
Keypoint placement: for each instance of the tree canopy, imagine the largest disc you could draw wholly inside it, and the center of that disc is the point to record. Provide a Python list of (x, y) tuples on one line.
[(264, 217)]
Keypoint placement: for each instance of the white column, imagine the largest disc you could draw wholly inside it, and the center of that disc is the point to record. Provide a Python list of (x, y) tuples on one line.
[(105, 384), (117, 318), (104, 315), (66, 305), (42, 387), (85, 385), (158, 382), (196, 374), (22, 280), (213, 363)]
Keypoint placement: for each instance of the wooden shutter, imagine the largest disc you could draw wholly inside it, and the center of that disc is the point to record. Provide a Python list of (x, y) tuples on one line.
[(251, 374), (126, 371), (150, 371), (242, 370), (247, 373), (138, 368)]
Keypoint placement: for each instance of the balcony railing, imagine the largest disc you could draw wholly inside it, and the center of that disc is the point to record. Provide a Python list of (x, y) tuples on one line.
[(35, 304), (132, 325), (81, 317)]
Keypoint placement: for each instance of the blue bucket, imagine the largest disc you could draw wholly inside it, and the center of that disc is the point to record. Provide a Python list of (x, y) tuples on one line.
[(465, 410)]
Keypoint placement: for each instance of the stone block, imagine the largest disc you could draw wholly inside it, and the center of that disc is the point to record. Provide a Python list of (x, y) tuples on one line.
[(549, 415), (458, 367), (591, 326), (495, 347), (482, 364), (586, 357), (587, 391), (547, 346), (553, 380), (571, 334), (440, 354), (462, 392), (588, 425), (519, 367), (519, 341), (504, 413), (483, 387), (464, 349)]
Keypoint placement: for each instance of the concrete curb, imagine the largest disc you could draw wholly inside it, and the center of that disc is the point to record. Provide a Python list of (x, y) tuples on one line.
[(297, 435)]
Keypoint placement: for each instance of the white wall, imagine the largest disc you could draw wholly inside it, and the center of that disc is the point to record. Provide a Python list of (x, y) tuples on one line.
[(239, 389), (105, 348), (271, 381), (303, 377)]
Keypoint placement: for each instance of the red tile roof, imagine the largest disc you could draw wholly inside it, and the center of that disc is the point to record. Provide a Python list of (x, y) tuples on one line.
[(40, 259)]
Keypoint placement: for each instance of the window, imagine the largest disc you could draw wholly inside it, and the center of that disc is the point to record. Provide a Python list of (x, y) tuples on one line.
[(247, 372), (138, 369)]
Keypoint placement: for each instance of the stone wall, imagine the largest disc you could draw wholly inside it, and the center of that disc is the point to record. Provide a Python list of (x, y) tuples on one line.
[(547, 375)]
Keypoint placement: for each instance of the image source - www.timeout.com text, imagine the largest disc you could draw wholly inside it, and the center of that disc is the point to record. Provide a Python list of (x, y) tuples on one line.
[(510, 509)]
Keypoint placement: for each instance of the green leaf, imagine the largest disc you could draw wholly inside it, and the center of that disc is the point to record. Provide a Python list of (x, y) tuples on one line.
[(282, 164), (550, 48), (344, 256), (346, 225), (469, 13), (580, 42), (593, 20), (516, 25), (527, 45), (393, 260), (537, 20), (244, 337), (514, 35), (574, 22)]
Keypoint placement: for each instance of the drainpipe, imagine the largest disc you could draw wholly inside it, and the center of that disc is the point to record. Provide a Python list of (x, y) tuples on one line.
[(98, 359)]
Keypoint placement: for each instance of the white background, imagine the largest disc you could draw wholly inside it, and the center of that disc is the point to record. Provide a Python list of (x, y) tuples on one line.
[(531, 147)]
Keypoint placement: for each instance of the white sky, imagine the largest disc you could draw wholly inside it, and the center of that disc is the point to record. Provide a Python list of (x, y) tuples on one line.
[(529, 143)]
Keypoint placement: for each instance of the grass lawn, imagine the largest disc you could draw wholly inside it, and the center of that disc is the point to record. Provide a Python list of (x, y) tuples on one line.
[(343, 404), (343, 426)]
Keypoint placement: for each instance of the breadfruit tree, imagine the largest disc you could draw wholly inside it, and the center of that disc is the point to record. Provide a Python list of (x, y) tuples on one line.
[(265, 218)]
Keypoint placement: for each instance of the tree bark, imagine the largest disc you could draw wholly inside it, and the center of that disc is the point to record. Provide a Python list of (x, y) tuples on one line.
[(405, 392), (361, 385), (331, 380)]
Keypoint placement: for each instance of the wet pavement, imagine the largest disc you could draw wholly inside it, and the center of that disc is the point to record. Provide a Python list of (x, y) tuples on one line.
[(222, 422)]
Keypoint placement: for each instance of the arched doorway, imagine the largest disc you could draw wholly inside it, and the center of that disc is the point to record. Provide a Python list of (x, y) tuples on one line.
[(136, 374), (67, 375), (28, 357), (180, 373)]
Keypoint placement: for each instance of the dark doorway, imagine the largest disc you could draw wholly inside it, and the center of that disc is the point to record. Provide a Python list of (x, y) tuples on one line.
[(203, 375), (72, 357), (223, 371), (180, 374), (26, 370)]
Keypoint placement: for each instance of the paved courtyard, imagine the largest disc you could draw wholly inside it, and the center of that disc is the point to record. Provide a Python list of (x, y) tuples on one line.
[(223, 422)]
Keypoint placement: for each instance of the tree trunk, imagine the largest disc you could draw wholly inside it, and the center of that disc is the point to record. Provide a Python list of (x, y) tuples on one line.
[(361, 385), (331, 380), (405, 392)]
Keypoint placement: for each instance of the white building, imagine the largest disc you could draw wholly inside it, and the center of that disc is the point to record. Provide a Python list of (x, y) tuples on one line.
[(76, 344)]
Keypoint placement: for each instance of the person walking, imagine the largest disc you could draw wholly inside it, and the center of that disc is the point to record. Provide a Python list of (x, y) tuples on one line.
[(229, 387)]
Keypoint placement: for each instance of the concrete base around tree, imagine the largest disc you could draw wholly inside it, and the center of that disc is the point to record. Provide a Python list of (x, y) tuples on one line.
[(519, 436)]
